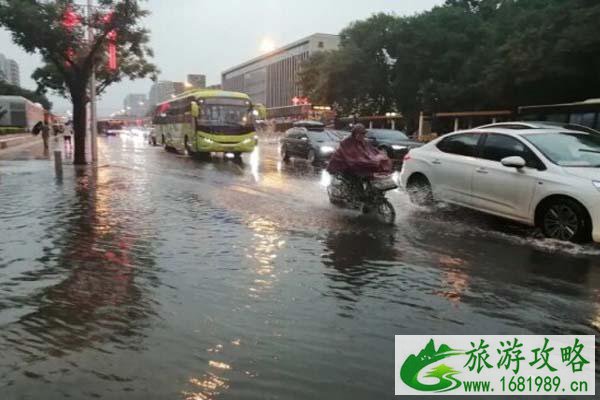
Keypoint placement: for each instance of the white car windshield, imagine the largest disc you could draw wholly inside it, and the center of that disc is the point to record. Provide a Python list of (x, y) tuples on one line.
[(568, 149)]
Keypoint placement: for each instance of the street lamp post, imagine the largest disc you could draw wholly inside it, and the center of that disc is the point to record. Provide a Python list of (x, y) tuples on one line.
[(93, 123)]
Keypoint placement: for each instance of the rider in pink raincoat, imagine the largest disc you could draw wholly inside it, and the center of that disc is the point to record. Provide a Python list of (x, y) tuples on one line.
[(357, 157)]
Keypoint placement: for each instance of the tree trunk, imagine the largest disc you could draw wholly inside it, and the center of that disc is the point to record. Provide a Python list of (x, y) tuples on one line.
[(79, 126)]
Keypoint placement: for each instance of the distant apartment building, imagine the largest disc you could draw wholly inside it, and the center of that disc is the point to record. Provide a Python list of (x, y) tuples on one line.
[(9, 71), (272, 79), (136, 104), (164, 90), (197, 81)]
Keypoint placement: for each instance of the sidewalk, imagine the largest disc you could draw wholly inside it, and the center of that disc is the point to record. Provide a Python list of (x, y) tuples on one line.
[(29, 147), (15, 139)]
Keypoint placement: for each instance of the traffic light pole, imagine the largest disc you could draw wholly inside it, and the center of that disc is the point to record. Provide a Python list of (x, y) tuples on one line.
[(93, 117)]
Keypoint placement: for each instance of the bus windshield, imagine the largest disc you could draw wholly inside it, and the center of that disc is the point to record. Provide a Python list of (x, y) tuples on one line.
[(225, 112)]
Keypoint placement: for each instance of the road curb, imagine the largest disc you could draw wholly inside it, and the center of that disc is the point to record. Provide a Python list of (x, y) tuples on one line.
[(15, 141)]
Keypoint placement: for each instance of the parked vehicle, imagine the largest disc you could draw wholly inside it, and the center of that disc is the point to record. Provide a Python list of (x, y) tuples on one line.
[(395, 143), (548, 178), (310, 141), (18, 112), (540, 125), (365, 194)]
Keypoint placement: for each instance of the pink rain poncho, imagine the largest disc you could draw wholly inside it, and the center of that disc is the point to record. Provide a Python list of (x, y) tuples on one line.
[(358, 157)]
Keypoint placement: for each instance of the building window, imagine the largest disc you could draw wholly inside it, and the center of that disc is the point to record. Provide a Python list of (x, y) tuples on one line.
[(321, 45)]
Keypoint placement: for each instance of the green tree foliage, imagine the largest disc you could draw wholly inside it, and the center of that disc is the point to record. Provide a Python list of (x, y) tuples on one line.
[(69, 57), (463, 55), (6, 89)]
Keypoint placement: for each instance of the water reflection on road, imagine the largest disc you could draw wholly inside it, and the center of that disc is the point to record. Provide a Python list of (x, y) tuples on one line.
[(160, 276)]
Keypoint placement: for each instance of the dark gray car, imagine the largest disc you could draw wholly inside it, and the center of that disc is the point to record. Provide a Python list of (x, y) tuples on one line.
[(395, 143), (314, 145)]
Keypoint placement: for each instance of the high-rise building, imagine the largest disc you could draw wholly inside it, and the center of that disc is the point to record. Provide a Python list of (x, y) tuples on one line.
[(164, 90), (9, 71), (13, 73), (272, 79), (197, 81), (135, 104)]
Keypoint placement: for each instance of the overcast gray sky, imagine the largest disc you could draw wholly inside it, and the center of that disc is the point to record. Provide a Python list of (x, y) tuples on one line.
[(209, 36)]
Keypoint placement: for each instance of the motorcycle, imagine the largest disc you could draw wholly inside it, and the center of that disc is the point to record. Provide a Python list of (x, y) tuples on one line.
[(365, 194)]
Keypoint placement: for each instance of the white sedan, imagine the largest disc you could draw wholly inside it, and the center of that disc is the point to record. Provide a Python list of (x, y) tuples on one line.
[(548, 178)]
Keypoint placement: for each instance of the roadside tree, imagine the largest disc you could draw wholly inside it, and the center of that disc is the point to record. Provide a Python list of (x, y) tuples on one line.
[(57, 30)]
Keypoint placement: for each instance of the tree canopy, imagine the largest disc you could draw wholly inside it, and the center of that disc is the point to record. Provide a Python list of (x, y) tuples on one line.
[(6, 89), (463, 55)]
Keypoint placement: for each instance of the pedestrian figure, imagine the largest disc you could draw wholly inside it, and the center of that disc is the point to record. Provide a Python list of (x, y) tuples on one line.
[(45, 135), (67, 134)]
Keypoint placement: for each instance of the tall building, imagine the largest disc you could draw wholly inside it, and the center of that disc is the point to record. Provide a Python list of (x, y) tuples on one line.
[(9, 71), (197, 81), (272, 79), (136, 104), (163, 90)]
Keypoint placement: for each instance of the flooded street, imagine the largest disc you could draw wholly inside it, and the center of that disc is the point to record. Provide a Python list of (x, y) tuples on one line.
[(157, 276)]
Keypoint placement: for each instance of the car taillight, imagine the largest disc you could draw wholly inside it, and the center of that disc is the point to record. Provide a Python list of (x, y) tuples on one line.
[(407, 157)]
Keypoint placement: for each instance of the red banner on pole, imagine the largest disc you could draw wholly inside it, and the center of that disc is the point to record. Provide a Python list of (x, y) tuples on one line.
[(112, 43), (112, 50), (70, 20)]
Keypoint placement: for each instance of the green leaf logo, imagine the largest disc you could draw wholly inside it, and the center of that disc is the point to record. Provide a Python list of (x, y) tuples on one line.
[(409, 372)]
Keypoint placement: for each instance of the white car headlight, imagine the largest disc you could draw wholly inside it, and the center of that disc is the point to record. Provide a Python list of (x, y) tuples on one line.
[(247, 140), (597, 184), (397, 147), (327, 149)]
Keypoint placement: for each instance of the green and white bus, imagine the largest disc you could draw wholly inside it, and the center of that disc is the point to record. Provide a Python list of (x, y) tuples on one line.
[(205, 121)]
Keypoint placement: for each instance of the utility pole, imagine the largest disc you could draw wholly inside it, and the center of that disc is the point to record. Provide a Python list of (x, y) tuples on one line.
[(93, 121)]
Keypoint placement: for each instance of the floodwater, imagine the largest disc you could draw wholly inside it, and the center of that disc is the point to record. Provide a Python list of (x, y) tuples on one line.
[(156, 276)]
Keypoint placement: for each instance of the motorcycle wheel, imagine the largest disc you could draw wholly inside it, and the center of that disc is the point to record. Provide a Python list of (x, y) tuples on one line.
[(334, 195), (386, 212)]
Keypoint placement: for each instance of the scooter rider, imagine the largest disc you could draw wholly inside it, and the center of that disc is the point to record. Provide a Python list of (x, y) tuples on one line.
[(356, 158)]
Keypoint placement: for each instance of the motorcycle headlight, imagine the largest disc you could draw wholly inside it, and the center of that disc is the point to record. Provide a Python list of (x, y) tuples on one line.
[(597, 184), (327, 149), (398, 147)]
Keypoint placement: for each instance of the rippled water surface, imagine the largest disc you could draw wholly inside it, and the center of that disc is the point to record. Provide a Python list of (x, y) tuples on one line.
[(156, 276)]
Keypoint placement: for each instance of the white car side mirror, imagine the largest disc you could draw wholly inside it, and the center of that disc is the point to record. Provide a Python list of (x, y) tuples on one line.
[(513, 162)]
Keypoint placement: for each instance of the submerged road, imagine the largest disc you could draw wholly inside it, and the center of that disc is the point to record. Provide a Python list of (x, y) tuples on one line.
[(157, 276)]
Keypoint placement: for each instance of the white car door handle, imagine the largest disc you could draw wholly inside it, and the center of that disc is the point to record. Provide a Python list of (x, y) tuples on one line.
[(481, 171), (436, 162)]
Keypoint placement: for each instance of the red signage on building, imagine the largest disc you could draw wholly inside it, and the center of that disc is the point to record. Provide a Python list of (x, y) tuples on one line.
[(298, 100)]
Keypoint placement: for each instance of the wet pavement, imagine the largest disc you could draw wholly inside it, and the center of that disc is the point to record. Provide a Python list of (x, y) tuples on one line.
[(157, 276)]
